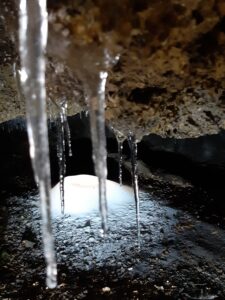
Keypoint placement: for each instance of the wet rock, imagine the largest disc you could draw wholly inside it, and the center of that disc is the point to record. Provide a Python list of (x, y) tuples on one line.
[(28, 244), (208, 149), (106, 289), (170, 77)]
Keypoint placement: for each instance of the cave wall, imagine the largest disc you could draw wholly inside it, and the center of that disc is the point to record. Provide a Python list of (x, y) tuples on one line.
[(170, 76)]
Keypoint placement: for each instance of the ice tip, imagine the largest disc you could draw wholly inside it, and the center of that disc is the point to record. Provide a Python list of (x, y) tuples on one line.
[(51, 283), (103, 231), (51, 280)]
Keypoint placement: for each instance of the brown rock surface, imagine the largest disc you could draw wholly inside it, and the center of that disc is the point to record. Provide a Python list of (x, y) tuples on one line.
[(170, 76)]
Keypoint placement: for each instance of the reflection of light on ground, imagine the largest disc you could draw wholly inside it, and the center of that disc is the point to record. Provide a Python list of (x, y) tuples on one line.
[(169, 242), (81, 195)]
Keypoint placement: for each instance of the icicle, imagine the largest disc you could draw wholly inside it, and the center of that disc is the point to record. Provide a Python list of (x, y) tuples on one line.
[(64, 138), (133, 147), (68, 137), (32, 40), (96, 103), (120, 139), (61, 158), (120, 153), (16, 74), (52, 114), (49, 114)]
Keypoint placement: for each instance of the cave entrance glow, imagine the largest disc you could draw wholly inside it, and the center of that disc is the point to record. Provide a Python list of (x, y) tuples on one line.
[(82, 198)]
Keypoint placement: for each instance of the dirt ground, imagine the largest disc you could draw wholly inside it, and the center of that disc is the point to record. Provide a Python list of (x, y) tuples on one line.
[(182, 229), (181, 256)]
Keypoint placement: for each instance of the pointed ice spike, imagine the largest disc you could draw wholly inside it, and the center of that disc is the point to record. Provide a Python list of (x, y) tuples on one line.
[(120, 139), (63, 109), (68, 136), (16, 74), (64, 138), (33, 29), (61, 157), (96, 105), (133, 148), (120, 153)]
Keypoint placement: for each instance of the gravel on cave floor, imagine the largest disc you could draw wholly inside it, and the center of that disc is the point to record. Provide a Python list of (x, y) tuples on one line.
[(181, 256)]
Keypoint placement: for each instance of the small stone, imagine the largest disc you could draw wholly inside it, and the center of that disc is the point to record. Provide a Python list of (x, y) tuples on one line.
[(91, 240), (159, 288), (87, 223), (167, 283), (106, 289), (28, 244)]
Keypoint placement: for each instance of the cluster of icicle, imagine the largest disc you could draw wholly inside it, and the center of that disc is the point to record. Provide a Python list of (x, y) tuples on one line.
[(33, 30)]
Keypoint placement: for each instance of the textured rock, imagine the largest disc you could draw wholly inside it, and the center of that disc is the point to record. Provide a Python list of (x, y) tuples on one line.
[(10, 103), (170, 76)]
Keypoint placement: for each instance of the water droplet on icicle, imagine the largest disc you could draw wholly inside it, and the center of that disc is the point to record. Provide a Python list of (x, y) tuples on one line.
[(133, 148), (96, 105), (33, 29)]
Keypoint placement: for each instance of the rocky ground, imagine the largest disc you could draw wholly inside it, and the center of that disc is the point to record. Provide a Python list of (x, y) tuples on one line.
[(182, 229), (181, 256)]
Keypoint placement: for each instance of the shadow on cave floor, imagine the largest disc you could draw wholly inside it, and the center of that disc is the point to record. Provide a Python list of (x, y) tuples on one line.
[(183, 241)]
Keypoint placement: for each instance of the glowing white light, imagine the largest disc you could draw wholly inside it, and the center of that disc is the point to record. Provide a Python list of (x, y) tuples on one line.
[(82, 195), (23, 75)]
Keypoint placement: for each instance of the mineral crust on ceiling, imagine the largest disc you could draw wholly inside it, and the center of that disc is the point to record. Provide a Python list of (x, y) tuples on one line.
[(169, 79)]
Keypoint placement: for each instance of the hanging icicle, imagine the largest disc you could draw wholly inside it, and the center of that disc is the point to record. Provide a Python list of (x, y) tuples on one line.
[(120, 154), (61, 157), (96, 104), (120, 140), (133, 148), (64, 140), (68, 135), (33, 29)]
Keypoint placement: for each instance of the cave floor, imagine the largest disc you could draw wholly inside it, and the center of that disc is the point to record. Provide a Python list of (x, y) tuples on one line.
[(181, 256)]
